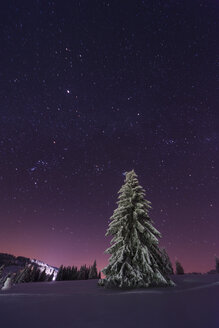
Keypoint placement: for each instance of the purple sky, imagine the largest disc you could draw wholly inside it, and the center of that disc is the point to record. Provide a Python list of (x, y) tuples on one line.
[(90, 89)]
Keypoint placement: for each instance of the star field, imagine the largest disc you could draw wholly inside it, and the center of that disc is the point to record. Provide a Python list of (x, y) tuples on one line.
[(91, 89)]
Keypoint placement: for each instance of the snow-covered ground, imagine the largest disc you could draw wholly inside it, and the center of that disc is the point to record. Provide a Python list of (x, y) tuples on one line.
[(193, 303)]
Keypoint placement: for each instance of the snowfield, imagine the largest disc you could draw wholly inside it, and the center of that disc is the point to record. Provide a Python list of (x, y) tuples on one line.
[(193, 303)]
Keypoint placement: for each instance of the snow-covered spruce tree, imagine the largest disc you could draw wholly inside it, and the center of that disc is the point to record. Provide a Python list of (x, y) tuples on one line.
[(136, 259)]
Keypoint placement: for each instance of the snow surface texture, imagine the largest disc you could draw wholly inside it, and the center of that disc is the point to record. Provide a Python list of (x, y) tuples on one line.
[(193, 303), (136, 260)]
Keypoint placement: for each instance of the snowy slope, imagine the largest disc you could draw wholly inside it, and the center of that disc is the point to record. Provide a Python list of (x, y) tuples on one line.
[(193, 303), (43, 266), (13, 264)]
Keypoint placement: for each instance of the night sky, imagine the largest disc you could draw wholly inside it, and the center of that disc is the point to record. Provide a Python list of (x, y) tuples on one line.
[(91, 89)]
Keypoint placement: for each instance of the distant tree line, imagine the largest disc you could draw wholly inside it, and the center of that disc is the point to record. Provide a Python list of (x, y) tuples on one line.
[(180, 270), (72, 273), (32, 273), (1, 272)]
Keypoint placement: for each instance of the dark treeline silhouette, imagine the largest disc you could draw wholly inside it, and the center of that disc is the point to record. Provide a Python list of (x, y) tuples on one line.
[(72, 273)]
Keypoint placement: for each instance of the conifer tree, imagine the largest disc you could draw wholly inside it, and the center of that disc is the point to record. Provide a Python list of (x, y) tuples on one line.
[(93, 271), (64, 273), (1, 272), (179, 268), (51, 276), (19, 276), (23, 275), (136, 259), (217, 264), (59, 276), (28, 275), (32, 274), (167, 262), (83, 273), (74, 273), (43, 275), (68, 273), (37, 273)]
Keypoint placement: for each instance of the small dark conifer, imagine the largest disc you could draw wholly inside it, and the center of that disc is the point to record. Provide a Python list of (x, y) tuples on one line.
[(51, 276), (179, 268), (43, 276), (59, 276), (93, 271), (217, 264)]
